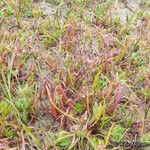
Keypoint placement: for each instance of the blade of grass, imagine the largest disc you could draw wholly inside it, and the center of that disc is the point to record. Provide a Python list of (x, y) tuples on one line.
[(108, 135), (96, 78)]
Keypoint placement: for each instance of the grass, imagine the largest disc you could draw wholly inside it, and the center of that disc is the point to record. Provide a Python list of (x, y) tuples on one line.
[(78, 79)]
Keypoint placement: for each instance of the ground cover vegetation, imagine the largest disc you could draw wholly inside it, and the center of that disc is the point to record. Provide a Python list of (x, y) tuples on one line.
[(78, 79)]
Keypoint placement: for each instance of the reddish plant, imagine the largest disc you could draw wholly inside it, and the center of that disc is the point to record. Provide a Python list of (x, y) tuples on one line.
[(50, 89), (117, 100)]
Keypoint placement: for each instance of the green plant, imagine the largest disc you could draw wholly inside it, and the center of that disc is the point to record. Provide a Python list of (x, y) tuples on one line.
[(145, 139), (10, 11), (5, 109), (22, 105), (78, 107), (117, 133), (63, 140), (9, 134)]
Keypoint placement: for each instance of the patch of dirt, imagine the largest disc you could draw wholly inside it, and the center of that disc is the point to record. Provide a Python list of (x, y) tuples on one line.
[(123, 8)]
